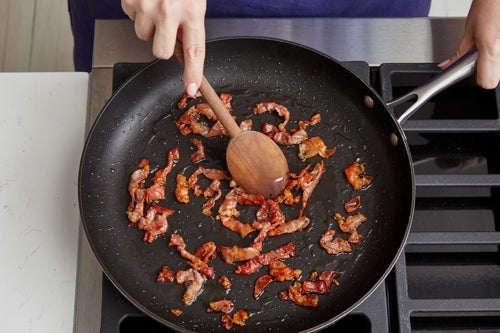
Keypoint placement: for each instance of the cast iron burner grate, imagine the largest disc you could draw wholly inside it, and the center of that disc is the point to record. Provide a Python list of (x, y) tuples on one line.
[(448, 279)]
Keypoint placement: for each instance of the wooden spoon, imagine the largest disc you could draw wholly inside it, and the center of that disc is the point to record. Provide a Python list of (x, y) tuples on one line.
[(255, 161)]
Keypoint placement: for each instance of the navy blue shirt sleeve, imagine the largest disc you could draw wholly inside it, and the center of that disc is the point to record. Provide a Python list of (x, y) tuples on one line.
[(83, 14)]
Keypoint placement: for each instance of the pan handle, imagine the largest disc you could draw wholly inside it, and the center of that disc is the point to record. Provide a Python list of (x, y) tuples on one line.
[(461, 69)]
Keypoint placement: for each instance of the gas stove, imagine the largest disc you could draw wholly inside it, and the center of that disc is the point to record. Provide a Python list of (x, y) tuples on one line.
[(448, 278)]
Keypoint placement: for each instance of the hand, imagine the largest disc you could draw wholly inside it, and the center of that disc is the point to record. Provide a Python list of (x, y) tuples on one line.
[(482, 30), (167, 20)]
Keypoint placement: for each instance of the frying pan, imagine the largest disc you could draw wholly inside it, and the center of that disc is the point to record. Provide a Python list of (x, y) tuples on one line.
[(139, 121)]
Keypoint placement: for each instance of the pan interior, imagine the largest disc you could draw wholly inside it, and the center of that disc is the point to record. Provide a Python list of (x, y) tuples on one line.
[(139, 121)]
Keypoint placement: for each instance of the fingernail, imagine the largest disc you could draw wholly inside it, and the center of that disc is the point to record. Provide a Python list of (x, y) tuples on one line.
[(444, 63), (192, 89)]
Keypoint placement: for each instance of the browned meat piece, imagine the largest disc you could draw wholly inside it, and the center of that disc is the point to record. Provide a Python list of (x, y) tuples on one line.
[(353, 204), (155, 222), (314, 146), (224, 281), (236, 225), (284, 138), (182, 189), (240, 317), (350, 225), (246, 125), (308, 182), (319, 284), (198, 260), (199, 153), (190, 122), (294, 294), (253, 265), (290, 226), (176, 312), (221, 305), (166, 274), (260, 284), (334, 245), (273, 106), (193, 281), (281, 272), (157, 190), (214, 193), (235, 253), (357, 177)]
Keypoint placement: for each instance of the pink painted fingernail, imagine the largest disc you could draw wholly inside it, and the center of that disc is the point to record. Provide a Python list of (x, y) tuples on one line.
[(444, 63), (192, 89)]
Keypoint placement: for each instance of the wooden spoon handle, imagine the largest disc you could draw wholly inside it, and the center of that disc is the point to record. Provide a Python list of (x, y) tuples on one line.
[(212, 99)]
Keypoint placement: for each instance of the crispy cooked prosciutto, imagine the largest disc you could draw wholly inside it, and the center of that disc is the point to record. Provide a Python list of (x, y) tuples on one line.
[(273, 106), (350, 225), (284, 138), (199, 260), (157, 191), (357, 177), (281, 272), (261, 283), (221, 305), (334, 245), (214, 193), (228, 210), (182, 189), (319, 284), (235, 253), (183, 101), (239, 318), (137, 192), (353, 204), (209, 173), (314, 146), (191, 121), (315, 119), (224, 282), (193, 281), (154, 223), (294, 294), (199, 153), (290, 226), (253, 265), (308, 181), (166, 274)]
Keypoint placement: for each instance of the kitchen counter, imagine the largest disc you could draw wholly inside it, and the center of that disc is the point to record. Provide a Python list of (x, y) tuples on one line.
[(42, 131)]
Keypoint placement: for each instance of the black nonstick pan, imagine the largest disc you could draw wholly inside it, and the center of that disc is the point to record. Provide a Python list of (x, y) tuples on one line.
[(139, 122)]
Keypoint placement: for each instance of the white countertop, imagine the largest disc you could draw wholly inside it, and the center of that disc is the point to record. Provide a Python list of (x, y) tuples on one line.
[(42, 128)]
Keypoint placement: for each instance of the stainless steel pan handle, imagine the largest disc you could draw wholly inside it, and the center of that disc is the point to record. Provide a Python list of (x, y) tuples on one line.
[(461, 69)]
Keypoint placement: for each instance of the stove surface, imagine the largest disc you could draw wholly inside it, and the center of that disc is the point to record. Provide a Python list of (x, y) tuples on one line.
[(448, 278)]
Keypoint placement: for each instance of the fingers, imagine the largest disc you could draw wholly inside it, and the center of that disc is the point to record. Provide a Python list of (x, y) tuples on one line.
[(488, 65), (482, 31), (165, 20), (193, 41), (144, 26), (466, 44), (165, 37)]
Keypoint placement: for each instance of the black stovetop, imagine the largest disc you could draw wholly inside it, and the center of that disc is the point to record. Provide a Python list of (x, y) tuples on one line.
[(448, 278)]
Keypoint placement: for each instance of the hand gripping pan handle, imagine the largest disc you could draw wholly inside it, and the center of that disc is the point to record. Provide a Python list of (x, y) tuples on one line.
[(461, 69)]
